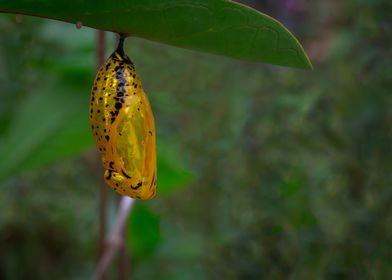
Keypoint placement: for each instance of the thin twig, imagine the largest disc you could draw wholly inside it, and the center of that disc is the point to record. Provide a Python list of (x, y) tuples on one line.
[(116, 237), (102, 208), (115, 240), (123, 261), (101, 46)]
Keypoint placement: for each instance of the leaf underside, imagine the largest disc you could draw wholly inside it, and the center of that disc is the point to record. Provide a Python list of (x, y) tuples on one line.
[(215, 26)]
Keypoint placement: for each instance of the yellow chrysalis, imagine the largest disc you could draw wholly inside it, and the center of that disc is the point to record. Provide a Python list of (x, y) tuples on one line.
[(123, 127)]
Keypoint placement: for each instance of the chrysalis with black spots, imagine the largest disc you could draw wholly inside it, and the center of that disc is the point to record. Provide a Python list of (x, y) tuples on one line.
[(123, 127)]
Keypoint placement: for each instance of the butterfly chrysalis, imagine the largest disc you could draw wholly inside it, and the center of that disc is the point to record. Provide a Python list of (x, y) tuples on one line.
[(123, 127)]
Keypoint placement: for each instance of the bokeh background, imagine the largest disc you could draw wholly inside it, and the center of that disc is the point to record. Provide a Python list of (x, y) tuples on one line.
[(264, 172)]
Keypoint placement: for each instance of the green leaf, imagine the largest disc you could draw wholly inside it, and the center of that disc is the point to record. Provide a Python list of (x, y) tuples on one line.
[(172, 174), (216, 26), (50, 125), (143, 231), (49, 121)]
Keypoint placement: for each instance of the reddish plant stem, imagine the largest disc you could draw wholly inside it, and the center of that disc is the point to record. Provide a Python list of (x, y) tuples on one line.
[(18, 18), (116, 237), (115, 241), (102, 208), (123, 261), (101, 47)]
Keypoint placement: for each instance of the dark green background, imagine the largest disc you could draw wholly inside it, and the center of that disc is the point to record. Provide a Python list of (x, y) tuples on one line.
[(264, 172)]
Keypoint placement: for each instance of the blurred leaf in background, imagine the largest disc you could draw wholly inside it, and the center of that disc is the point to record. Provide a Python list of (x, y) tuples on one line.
[(143, 232), (48, 119), (173, 171)]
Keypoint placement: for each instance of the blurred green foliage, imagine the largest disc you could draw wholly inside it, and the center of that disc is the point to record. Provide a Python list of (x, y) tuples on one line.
[(143, 232), (291, 169)]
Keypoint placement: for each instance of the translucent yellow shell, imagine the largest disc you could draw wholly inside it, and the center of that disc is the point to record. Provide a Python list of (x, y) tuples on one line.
[(123, 128)]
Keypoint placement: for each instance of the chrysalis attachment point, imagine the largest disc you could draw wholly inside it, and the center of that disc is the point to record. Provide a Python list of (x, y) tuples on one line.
[(79, 24)]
